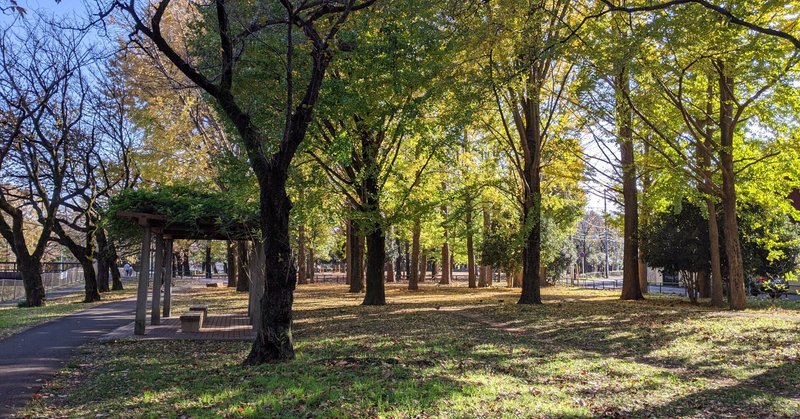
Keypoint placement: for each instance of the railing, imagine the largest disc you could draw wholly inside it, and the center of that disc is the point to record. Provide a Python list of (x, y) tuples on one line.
[(55, 275)]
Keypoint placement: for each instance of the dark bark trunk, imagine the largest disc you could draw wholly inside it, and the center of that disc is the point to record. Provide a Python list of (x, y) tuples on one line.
[(445, 280), (423, 266), (376, 257), (310, 264), (703, 285), (92, 293), (208, 260), (407, 260), (243, 273), (232, 268), (103, 279), (733, 248), (348, 251), (113, 264), (31, 271), (187, 270), (302, 277), (532, 253), (274, 339), (717, 293), (398, 266), (356, 270), (631, 287), (470, 247), (413, 274)]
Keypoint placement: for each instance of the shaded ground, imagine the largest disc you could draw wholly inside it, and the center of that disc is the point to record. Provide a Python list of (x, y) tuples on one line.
[(35, 355), (454, 352)]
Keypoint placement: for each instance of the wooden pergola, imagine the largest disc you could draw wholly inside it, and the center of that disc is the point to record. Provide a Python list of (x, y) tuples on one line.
[(158, 227)]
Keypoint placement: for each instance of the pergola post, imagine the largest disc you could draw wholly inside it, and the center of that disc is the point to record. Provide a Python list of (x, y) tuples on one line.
[(144, 273), (167, 275), (257, 267), (158, 274)]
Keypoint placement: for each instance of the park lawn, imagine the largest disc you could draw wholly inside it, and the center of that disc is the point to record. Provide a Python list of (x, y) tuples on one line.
[(454, 352), (15, 319)]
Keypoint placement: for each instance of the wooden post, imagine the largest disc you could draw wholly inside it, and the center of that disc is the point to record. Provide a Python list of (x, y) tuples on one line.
[(257, 268), (158, 274), (168, 276), (144, 273)]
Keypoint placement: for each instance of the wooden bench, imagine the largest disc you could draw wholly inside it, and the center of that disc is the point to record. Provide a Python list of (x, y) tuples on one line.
[(191, 321), (200, 308), (215, 285)]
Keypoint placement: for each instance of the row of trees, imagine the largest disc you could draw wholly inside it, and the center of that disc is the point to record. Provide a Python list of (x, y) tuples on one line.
[(442, 128)]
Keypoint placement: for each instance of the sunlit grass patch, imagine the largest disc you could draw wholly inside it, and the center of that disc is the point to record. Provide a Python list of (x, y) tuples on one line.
[(446, 352)]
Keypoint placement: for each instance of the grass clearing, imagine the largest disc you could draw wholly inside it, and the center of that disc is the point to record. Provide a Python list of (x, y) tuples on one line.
[(454, 352), (15, 319)]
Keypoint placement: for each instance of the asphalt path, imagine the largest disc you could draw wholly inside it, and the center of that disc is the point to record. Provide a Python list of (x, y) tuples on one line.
[(28, 359)]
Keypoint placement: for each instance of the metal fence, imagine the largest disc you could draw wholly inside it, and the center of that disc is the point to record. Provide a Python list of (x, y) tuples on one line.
[(55, 275)]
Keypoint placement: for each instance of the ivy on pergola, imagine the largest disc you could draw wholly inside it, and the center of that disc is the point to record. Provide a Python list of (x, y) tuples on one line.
[(183, 212)]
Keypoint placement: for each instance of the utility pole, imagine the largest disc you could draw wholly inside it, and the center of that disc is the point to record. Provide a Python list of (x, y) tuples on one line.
[(605, 227)]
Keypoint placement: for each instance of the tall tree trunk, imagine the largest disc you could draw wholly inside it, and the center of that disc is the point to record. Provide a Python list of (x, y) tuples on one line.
[(274, 339), (103, 279), (376, 257), (30, 269), (356, 270), (423, 266), (310, 264), (532, 253), (398, 266), (92, 292), (113, 264), (446, 269), (208, 260), (407, 259), (733, 248), (187, 270), (389, 268), (486, 270), (470, 247), (631, 287), (301, 254), (717, 293), (232, 268), (413, 274), (243, 270), (348, 251)]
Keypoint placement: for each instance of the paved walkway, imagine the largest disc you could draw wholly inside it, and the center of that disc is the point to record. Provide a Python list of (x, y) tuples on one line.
[(216, 327), (29, 358)]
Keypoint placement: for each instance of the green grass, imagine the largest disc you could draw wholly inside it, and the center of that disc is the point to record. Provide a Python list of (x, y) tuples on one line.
[(453, 352), (16, 319)]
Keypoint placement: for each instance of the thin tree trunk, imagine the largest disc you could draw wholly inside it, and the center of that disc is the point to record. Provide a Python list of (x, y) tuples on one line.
[(310, 264), (208, 260), (423, 266), (446, 269), (356, 271), (243, 270), (470, 248), (232, 268), (301, 254), (113, 264), (733, 248), (413, 274), (631, 287), (348, 250), (187, 270)]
